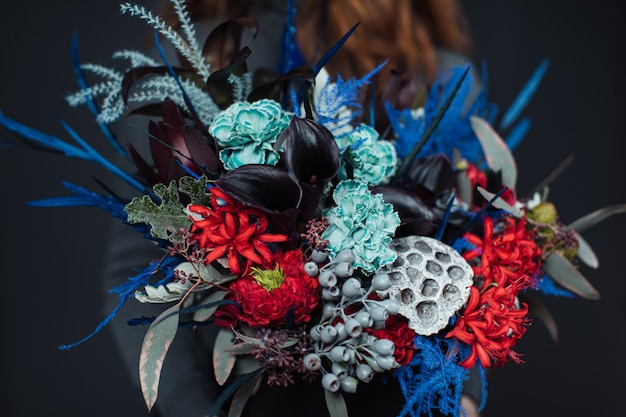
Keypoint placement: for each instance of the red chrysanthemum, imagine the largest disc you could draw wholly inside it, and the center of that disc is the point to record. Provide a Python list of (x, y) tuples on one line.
[(269, 296), (398, 331), (228, 228), (494, 320)]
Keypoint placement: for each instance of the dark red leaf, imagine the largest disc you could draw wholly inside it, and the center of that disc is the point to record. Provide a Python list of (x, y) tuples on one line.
[(161, 155), (145, 170), (275, 86), (222, 44), (432, 173), (172, 114), (217, 83), (200, 150)]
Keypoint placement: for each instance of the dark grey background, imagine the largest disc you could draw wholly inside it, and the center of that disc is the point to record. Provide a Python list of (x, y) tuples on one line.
[(49, 258)]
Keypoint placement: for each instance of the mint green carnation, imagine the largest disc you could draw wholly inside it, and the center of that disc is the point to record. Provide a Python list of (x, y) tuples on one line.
[(373, 161), (363, 222), (246, 132)]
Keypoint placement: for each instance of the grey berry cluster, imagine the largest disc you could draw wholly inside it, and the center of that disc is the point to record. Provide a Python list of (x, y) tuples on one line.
[(343, 351)]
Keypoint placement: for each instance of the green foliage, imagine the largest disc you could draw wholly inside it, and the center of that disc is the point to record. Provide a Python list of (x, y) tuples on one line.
[(168, 215), (196, 190)]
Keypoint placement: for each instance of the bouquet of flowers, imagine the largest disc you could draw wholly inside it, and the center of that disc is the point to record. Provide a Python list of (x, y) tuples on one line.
[(323, 251)]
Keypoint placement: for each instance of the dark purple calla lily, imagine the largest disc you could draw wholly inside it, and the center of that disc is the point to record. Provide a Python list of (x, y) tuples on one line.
[(312, 155)]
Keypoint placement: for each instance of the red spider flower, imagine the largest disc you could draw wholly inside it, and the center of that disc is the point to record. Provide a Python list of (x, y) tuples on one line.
[(398, 331), (509, 257), (494, 320), (231, 229), (491, 324), (269, 296)]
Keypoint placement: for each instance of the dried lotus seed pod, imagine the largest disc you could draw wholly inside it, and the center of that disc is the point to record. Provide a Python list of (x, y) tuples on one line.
[(430, 280)]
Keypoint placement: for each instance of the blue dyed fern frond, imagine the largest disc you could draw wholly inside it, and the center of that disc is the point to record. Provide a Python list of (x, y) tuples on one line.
[(547, 286), (164, 266), (128, 288), (517, 133), (328, 55), (432, 380), (170, 69), (338, 103), (524, 96), (289, 40), (52, 143), (444, 219), (461, 245), (84, 197), (89, 101), (455, 131)]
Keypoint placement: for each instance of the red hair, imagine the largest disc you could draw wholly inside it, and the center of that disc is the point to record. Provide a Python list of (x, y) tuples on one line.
[(404, 31)]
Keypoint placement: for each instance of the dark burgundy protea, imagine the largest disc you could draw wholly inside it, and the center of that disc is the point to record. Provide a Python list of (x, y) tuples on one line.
[(177, 149)]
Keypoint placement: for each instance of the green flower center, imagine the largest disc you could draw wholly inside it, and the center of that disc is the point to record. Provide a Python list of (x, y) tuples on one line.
[(269, 279)]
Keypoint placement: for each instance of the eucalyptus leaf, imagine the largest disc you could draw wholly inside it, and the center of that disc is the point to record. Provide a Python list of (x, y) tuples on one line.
[(230, 389), (242, 395), (206, 273), (497, 153), (539, 310), (566, 274), (206, 314), (240, 349), (585, 253), (292, 341), (223, 362), (248, 339), (591, 219), (245, 365), (336, 404), (155, 345), (172, 291), (499, 202)]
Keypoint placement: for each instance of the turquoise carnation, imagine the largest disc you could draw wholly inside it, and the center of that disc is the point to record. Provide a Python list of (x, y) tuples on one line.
[(246, 132), (373, 161), (363, 222)]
